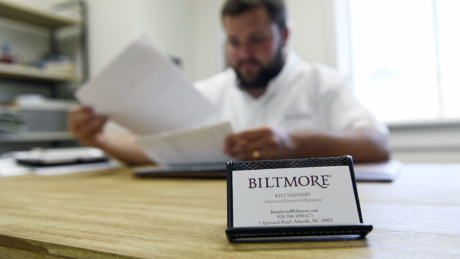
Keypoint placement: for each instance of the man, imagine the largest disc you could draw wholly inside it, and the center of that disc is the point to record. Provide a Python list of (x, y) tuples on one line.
[(279, 106)]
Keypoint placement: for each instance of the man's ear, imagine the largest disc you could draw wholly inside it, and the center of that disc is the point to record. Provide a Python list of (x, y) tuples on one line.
[(285, 36)]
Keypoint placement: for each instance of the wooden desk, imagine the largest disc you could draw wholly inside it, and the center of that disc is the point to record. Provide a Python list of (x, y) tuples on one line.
[(111, 214)]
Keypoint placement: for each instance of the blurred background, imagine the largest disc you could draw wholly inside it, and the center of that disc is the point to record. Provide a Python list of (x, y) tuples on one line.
[(402, 56)]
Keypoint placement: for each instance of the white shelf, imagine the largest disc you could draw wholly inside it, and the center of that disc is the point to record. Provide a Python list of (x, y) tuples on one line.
[(24, 72), (34, 16), (36, 136), (25, 15)]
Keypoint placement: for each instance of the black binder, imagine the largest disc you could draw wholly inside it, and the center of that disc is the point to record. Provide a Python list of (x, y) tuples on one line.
[(278, 233)]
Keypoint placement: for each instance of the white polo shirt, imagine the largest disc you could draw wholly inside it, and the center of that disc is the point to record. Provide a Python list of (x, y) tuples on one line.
[(302, 96)]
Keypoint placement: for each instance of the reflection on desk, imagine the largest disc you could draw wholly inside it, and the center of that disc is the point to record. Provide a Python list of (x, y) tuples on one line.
[(111, 214)]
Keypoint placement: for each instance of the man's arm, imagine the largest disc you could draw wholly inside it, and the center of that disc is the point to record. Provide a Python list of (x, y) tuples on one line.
[(364, 145), (88, 128), (122, 147)]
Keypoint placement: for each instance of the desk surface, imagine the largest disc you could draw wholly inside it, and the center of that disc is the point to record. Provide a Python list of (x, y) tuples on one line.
[(112, 214)]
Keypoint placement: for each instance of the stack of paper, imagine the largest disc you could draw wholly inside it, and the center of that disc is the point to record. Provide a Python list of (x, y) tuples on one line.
[(143, 91), (9, 167), (60, 156)]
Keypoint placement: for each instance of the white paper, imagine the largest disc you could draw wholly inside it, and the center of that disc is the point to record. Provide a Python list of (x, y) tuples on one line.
[(143, 91), (385, 171), (77, 168), (196, 146), (9, 168), (61, 155), (271, 201)]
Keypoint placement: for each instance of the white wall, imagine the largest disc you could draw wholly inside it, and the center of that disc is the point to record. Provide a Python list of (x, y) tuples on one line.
[(170, 25), (113, 24), (208, 38), (426, 143), (312, 29)]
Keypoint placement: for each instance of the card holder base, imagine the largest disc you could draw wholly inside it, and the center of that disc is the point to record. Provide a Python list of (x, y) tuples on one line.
[(296, 232)]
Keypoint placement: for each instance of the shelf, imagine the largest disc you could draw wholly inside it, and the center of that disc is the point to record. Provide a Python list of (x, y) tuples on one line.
[(36, 136), (32, 73), (34, 16)]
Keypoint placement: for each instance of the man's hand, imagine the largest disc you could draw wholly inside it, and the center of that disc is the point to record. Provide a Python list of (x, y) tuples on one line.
[(86, 125), (364, 145), (260, 143)]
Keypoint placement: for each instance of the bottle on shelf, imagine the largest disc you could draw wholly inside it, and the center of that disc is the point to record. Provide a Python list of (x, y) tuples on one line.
[(7, 54)]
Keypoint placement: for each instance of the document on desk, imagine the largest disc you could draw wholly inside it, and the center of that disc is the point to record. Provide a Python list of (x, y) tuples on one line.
[(194, 146), (9, 167), (78, 168), (145, 92), (377, 172)]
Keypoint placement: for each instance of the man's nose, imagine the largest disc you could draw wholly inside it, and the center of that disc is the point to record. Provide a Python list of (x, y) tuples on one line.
[(246, 51)]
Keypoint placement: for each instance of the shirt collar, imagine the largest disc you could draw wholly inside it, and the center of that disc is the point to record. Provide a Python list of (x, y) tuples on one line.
[(291, 61)]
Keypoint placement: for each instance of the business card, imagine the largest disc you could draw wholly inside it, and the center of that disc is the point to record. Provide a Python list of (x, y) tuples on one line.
[(294, 197)]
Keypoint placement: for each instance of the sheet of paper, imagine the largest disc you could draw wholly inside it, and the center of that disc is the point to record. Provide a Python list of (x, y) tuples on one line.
[(70, 169), (196, 146), (144, 92), (378, 172), (61, 155), (9, 168)]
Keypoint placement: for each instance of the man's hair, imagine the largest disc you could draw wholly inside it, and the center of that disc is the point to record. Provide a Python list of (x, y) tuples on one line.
[(276, 9)]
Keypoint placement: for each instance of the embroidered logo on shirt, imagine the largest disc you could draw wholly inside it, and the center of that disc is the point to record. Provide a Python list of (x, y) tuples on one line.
[(297, 116)]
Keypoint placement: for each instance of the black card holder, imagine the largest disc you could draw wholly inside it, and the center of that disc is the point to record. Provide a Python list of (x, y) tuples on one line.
[(297, 232)]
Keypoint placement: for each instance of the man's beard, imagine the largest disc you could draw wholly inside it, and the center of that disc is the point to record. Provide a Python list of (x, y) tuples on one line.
[(265, 74)]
